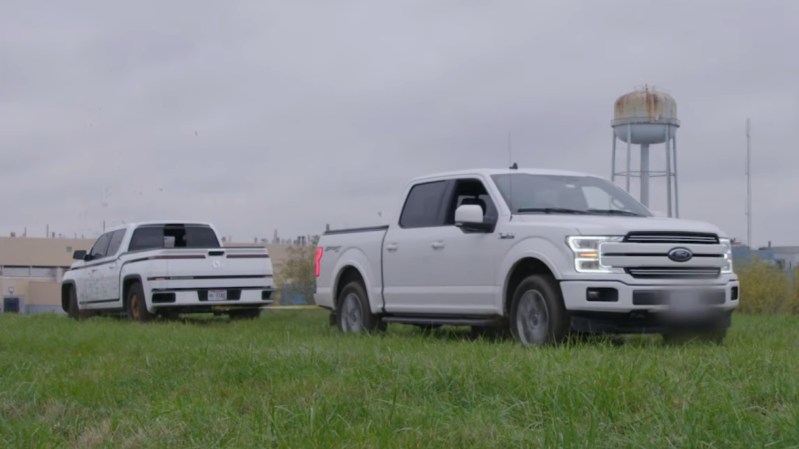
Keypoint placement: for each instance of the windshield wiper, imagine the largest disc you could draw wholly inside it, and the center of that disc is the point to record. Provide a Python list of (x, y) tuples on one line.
[(551, 210), (626, 213)]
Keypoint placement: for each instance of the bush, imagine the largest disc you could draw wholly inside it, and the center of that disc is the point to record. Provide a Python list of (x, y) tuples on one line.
[(766, 289), (297, 272)]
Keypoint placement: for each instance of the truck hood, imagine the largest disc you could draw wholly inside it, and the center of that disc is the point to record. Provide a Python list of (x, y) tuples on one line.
[(615, 225)]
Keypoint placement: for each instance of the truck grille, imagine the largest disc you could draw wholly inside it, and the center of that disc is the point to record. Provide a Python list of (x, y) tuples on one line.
[(674, 272), (676, 238)]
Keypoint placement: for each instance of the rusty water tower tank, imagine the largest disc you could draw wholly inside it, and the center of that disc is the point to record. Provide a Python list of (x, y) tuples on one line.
[(646, 117)]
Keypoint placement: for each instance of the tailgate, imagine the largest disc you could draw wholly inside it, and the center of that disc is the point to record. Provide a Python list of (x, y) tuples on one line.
[(219, 267)]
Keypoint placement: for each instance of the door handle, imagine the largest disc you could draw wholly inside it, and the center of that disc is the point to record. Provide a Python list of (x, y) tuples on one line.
[(437, 244), (391, 247), (111, 267)]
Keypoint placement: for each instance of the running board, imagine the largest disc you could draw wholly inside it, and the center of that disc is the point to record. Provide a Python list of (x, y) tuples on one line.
[(444, 321)]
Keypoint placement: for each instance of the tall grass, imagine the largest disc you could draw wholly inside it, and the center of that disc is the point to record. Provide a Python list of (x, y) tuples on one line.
[(288, 380), (767, 289)]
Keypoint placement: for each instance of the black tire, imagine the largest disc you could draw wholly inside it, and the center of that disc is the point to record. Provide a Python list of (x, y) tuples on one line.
[(538, 316), (73, 310), (135, 304), (244, 314), (353, 314)]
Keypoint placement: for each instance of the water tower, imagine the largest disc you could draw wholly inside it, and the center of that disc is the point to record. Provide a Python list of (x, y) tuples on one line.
[(647, 117)]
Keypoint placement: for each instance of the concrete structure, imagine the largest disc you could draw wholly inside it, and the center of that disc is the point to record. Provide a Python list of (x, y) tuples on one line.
[(646, 117), (31, 270)]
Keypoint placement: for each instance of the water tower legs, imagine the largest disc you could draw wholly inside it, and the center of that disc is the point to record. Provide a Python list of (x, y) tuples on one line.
[(668, 172), (645, 174)]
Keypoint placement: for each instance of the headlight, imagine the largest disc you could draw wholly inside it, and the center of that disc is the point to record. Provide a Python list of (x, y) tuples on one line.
[(587, 252), (727, 267)]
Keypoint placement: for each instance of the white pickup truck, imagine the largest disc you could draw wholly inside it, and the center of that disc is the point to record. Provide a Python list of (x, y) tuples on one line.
[(146, 269), (545, 253)]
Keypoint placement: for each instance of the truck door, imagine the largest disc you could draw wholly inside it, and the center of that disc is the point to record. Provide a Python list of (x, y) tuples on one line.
[(466, 278), (88, 281), (108, 273), (410, 256)]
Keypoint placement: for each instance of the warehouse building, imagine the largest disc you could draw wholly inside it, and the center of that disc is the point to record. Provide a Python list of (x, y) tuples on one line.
[(31, 270)]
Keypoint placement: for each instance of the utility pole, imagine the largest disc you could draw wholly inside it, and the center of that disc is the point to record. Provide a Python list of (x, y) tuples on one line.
[(748, 183)]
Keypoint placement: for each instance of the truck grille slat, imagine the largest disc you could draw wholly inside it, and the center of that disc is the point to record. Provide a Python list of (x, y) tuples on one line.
[(672, 237), (673, 273)]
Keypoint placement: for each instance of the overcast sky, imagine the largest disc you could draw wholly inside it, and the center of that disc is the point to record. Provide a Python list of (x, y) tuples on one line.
[(262, 115)]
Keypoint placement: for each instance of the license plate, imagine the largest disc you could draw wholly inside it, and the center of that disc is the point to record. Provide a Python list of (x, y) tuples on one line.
[(217, 295), (685, 300)]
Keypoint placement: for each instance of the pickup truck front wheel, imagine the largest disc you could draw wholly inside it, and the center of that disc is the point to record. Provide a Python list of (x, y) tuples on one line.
[(354, 315), (135, 305), (537, 315)]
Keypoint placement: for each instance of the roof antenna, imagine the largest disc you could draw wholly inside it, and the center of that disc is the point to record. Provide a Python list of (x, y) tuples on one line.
[(513, 165)]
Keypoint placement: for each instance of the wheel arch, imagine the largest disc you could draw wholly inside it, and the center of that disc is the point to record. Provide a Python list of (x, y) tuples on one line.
[(521, 269), (127, 282), (65, 288), (347, 274)]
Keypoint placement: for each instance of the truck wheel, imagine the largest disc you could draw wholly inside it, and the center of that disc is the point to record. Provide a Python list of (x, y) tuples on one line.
[(73, 310), (246, 314), (354, 315), (136, 307), (537, 315)]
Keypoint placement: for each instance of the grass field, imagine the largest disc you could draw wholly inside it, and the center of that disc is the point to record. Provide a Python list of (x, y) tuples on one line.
[(289, 380)]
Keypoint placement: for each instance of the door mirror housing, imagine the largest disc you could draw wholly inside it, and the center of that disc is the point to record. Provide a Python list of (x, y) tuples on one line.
[(79, 255), (469, 217)]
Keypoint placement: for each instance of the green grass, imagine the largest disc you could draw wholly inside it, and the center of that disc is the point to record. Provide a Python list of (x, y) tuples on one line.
[(289, 380)]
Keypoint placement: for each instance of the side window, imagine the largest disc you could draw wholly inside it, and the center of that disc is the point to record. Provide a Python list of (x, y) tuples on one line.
[(147, 238), (100, 248), (423, 206), (116, 241), (471, 191)]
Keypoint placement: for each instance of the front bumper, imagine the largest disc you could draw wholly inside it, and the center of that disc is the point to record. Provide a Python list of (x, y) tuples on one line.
[(621, 297)]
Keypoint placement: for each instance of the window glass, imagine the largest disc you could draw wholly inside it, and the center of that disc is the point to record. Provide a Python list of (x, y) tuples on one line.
[(423, 206), (472, 191), (528, 193), (100, 247), (116, 241), (173, 236)]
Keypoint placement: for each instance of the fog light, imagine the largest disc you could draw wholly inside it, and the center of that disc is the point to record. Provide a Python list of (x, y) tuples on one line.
[(602, 295), (734, 294)]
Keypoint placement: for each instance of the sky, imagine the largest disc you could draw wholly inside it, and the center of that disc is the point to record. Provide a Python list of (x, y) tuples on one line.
[(268, 115)]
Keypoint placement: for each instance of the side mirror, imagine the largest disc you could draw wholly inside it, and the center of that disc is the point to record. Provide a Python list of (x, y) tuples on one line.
[(469, 217), (79, 255)]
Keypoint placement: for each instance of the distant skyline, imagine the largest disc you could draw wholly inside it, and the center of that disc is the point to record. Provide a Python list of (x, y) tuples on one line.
[(264, 115)]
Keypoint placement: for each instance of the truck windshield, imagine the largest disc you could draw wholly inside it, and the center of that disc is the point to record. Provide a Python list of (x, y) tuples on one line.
[(173, 236), (554, 194)]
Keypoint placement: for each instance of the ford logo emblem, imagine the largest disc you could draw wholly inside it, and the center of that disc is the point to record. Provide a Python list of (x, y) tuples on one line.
[(681, 254)]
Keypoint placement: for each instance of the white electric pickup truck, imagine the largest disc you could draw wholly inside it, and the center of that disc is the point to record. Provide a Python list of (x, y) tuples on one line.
[(167, 268), (543, 253)]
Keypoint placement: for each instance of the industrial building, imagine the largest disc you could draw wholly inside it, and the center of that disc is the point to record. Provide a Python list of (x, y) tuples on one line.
[(31, 270)]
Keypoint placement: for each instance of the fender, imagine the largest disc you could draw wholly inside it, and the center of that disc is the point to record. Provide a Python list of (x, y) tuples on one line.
[(357, 259), (539, 248)]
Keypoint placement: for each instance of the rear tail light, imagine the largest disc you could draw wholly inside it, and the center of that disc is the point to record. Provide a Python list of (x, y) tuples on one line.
[(318, 260)]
